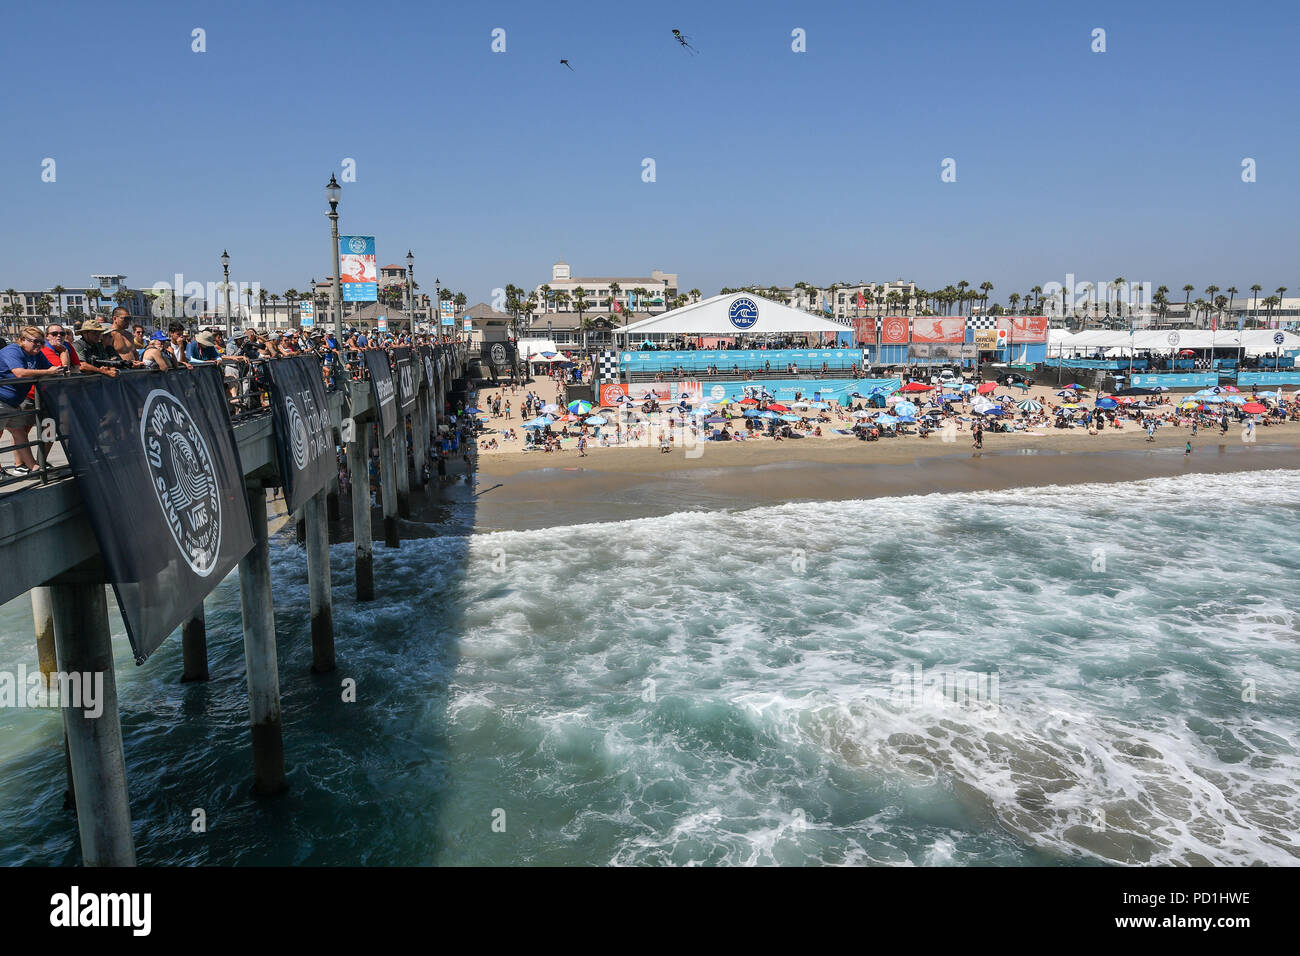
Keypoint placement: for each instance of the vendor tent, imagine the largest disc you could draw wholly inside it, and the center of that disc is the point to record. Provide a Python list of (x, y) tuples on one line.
[(731, 314)]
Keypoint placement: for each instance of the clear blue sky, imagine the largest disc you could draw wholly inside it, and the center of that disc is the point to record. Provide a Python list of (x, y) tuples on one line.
[(772, 166)]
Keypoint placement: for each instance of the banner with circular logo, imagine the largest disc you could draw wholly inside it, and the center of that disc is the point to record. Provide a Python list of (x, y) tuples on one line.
[(304, 435), (157, 466), (743, 313)]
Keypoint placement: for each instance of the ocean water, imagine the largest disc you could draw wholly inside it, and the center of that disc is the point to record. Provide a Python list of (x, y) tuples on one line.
[(1089, 675)]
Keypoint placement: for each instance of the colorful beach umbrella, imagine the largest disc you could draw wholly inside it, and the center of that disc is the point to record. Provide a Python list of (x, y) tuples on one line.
[(1029, 405), (580, 407)]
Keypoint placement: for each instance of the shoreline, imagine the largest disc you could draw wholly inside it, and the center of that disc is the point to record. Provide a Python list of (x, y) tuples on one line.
[(563, 490)]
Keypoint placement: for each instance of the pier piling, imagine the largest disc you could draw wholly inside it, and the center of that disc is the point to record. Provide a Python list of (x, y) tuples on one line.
[(43, 617), (260, 656), (388, 488), (94, 742), (318, 582), (403, 472), (358, 471), (194, 647)]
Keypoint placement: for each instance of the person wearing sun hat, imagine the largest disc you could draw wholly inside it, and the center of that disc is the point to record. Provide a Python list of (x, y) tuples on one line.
[(203, 350)]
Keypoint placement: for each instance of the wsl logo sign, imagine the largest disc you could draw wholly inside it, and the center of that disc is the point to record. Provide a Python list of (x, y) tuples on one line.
[(308, 434), (183, 478), (743, 313), (498, 355)]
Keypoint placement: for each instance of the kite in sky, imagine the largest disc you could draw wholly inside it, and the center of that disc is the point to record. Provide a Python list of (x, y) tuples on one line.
[(682, 38), (566, 63)]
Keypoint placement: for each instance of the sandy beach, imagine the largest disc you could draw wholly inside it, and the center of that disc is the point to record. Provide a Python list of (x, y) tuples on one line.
[(521, 490)]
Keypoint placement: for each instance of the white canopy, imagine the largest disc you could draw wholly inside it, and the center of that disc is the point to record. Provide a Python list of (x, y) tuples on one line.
[(1253, 341), (737, 313), (530, 350)]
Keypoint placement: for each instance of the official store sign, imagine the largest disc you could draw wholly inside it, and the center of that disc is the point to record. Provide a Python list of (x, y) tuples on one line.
[(184, 480)]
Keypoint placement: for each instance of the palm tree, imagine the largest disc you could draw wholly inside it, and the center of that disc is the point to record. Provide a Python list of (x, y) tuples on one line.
[(548, 296), (458, 300), (962, 286), (261, 305), (580, 303), (1116, 284), (43, 305), (1014, 300), (58, 291), (1254, 294), (14, 308), (292, 295), (585, 326), (985, 287), (1038, 295), (275, 298), (92, 300), (1187, 303), (1232, 294), (1281, 291), (614, 291)]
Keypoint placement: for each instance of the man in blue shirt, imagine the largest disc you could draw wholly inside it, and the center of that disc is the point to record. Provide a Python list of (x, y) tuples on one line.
[(203, 350), (20, 363)]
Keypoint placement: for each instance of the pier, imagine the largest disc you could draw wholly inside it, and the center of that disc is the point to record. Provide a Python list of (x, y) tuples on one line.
[(52, 552)]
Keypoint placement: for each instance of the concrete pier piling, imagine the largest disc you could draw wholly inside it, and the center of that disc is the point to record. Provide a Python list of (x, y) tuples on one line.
[(43, 617), (194, 647), (388, 488), (318, 582), (94, 735), (359, 474), (260, 655), (403, 472), (419, 437)]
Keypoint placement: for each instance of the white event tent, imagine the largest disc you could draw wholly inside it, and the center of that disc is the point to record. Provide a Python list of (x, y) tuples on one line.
[(1118, 343), (737, 313)]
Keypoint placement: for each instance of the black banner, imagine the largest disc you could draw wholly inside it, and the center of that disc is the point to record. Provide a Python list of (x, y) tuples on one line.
[(404, 370), (426, 361), (500, 356), (304, 439), (382, 389), (158, 469)]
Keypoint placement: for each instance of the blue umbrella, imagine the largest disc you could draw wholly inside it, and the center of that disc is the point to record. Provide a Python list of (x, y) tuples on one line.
[(906, 419), (1107, 403), (886, 420), (768, 415), (473, 411), (905, 408), (751, 413), (596, 420), (790, 418), (967, 387), (716, 420), (824, 405)]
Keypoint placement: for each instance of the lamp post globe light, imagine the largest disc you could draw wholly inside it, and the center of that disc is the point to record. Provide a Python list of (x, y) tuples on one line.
[(332, 193), (410, 287), (225, 268), (437, 306)]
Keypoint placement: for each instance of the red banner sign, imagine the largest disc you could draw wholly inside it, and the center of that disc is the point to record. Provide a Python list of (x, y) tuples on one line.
[(894, 331), (938, 329)]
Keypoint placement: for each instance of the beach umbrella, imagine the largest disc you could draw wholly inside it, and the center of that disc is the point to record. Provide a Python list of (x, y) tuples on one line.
[(799, 405), (1254, 408), (550, 409), (580, 407), (905, 408), (596, 420), (916, 387), (986, 387), (1186, 353), (748, 401), (1029, 405), (967, 387), (1231, 389), (791, 418), (1074, 386), (906, 420), (1106, 403), (549, 355), (818, 405), (883, 419), (1214, 399), (778, 407), (768, 415), (473, 411), (861, 413), (1235, 399), (716, 420)]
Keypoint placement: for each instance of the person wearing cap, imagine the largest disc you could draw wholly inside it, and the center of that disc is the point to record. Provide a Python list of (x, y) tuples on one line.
[(158, 353), (19, 362), (203, 350), (92, 353)]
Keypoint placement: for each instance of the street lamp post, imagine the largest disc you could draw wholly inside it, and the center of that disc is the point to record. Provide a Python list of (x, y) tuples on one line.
[(225, 267), (410, 287), (437, 299), (332, 193)]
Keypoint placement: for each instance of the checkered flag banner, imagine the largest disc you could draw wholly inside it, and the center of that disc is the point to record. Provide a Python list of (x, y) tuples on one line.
[(608, 366), (866, 357), (978, 322), (880, 323)]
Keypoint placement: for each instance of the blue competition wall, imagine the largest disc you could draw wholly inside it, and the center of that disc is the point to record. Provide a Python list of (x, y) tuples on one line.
[(838, 389), (1109, 365), (1174, 380), (748, 360), (1269, 378)]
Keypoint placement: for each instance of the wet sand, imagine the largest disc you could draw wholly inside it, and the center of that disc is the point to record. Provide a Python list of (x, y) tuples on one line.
[(634, 483)]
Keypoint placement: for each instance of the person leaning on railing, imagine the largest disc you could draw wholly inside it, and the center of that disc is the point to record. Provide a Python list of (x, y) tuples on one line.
[(20, 361), (92, 352)]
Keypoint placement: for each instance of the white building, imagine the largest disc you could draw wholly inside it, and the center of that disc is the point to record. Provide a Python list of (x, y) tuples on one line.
[(653, 293)]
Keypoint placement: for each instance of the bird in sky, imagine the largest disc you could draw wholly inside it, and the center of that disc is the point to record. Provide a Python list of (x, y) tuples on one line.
[(682, 39), (566, 63)]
